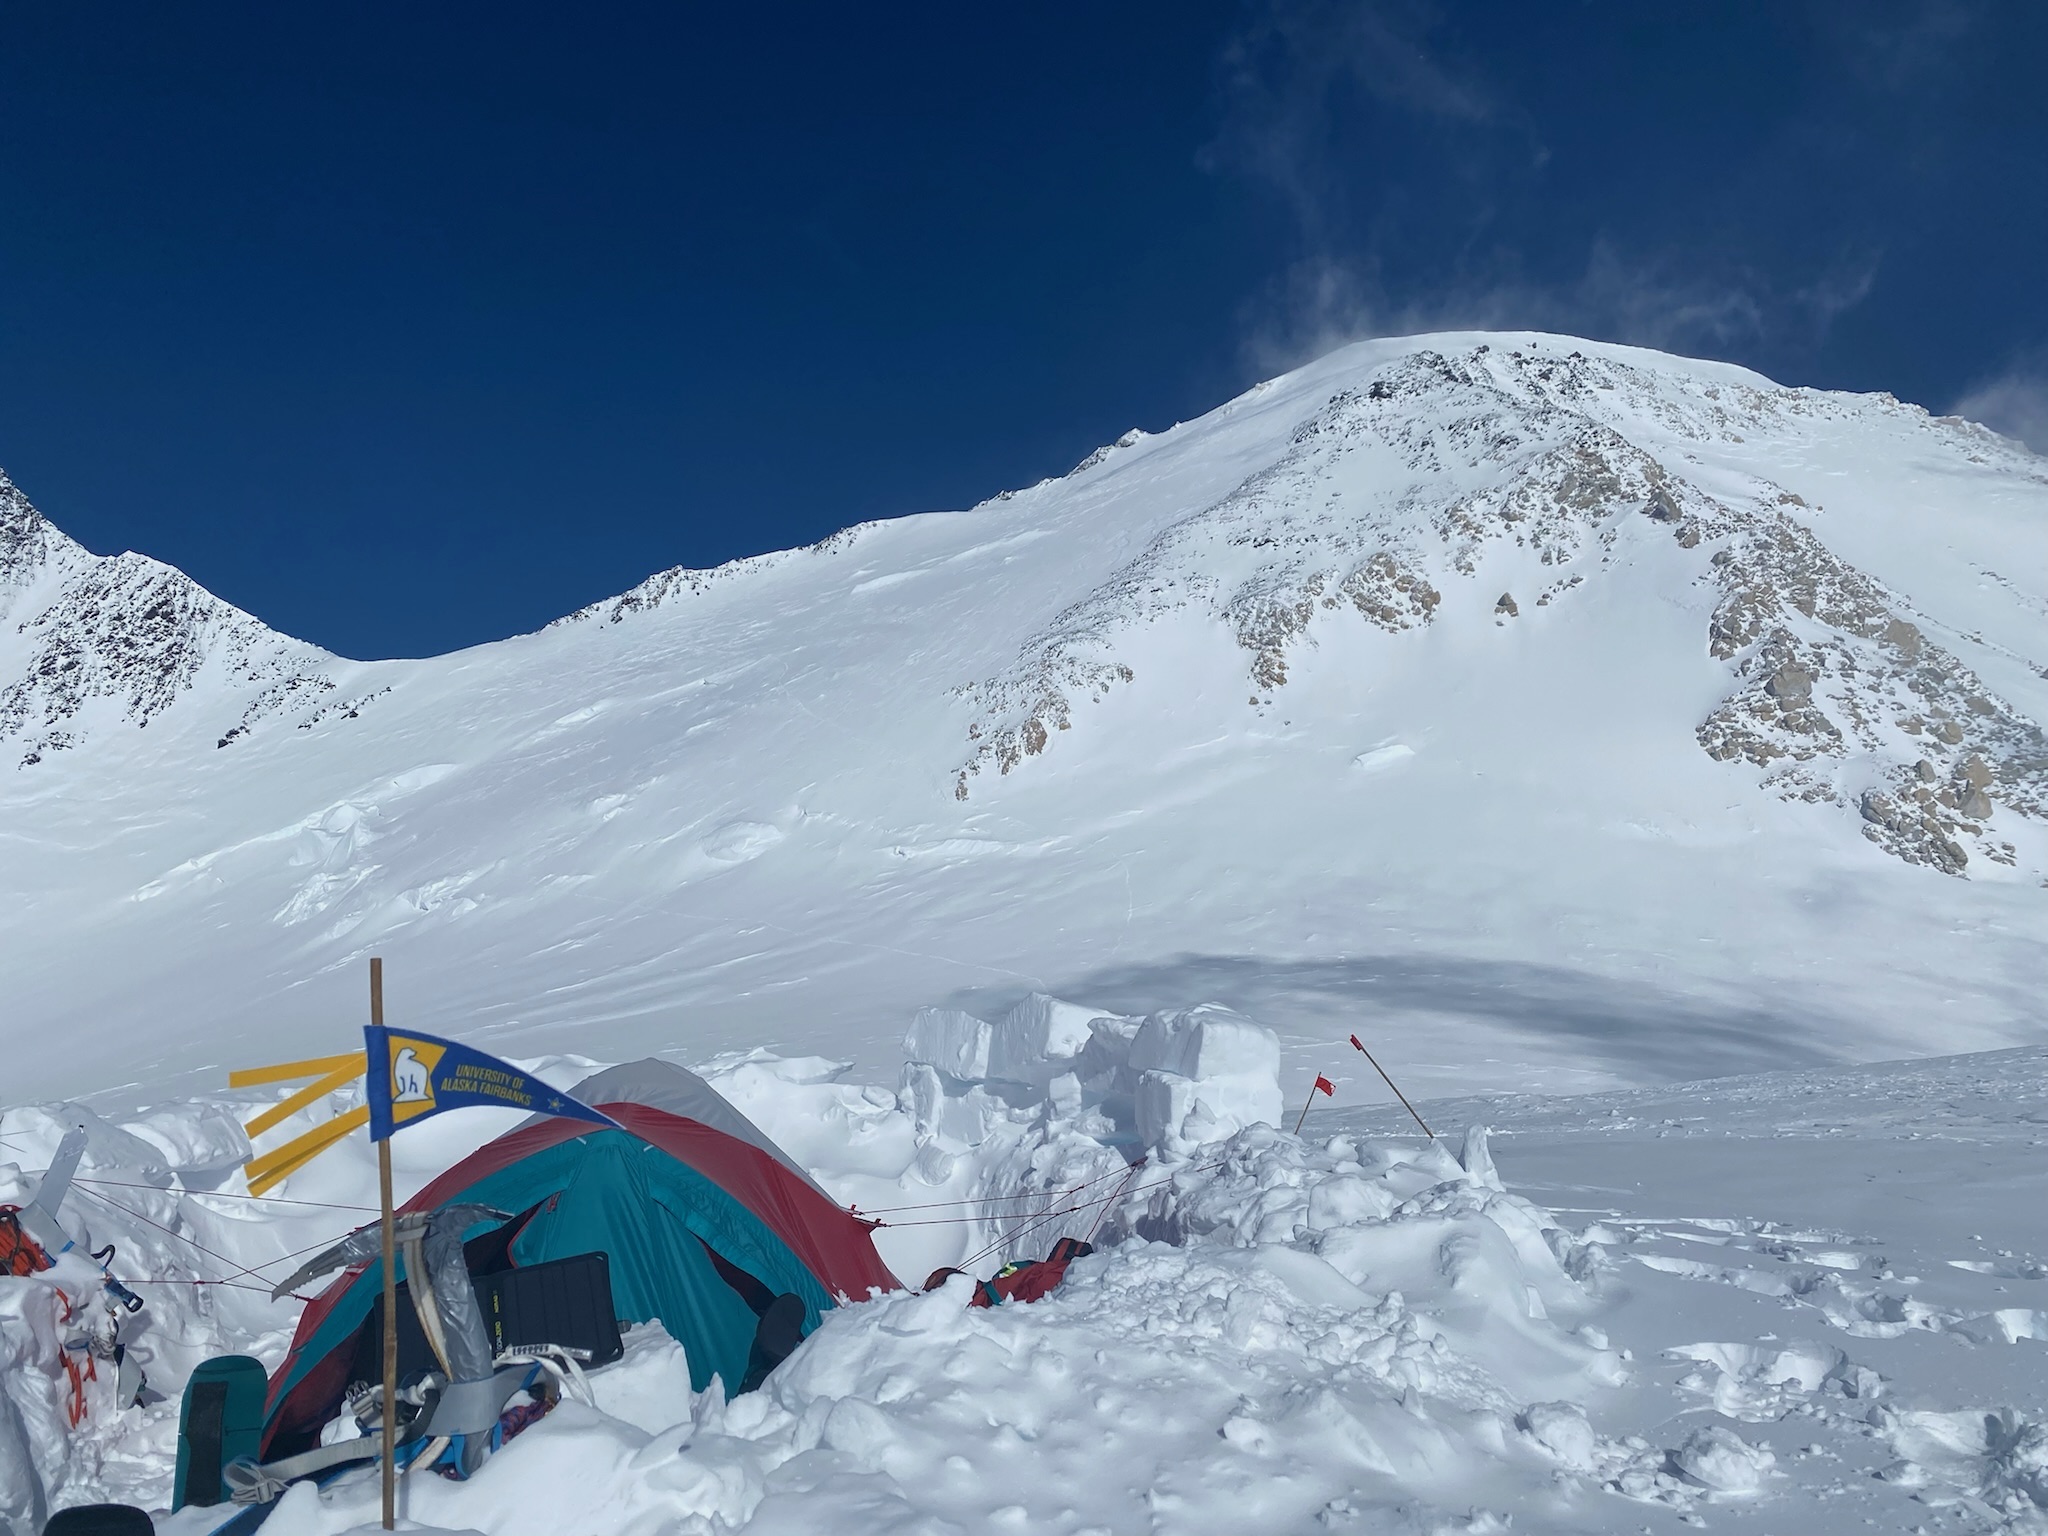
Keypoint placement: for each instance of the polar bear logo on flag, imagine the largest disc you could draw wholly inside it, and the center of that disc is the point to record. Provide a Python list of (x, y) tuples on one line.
[(409, 1079)]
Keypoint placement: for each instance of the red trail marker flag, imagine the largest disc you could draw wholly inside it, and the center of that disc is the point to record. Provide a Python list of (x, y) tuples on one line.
[(1321, 1085)]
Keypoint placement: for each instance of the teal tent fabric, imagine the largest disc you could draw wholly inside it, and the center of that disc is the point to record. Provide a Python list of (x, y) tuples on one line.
[(610, 1192), (702, 1218)]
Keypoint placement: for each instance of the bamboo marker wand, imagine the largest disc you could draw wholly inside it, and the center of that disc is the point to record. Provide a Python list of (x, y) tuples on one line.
[(390, 1277), (1397, 1092)]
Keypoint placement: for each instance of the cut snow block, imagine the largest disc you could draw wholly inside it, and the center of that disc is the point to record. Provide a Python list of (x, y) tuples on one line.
[(1064, 1094), (1224, 1106), (1246, 1099), (967, 1119), (956, 1043), (1162, 1103), (922, 1095), (1205, 1073), (1209, 1041), (1476, 1158), (1039, 1039), (108, 1146), (962, 1117), (1167, 1105), (1108, 1051)]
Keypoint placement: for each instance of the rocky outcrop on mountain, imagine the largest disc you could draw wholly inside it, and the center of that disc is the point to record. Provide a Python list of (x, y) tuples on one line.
[(665, 587), (1828, 666), (114, 642), (1397, 491), (1385, 493), (27, 544), (681, 582)]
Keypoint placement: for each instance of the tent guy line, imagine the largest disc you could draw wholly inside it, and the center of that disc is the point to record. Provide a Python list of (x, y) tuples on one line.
[(234, 1279), (226, 1194)]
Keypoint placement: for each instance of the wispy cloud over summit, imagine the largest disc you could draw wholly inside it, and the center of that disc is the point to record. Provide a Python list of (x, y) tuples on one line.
[(2013, 404), (1430, 168)]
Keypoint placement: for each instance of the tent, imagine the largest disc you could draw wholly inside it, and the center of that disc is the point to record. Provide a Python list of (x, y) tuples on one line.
[(705, 1220)]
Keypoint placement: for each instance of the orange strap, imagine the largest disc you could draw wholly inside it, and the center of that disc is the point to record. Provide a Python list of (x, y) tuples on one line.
[(79, 1378)]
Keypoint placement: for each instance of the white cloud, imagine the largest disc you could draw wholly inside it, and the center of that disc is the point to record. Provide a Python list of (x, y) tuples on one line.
[(1322, 302)]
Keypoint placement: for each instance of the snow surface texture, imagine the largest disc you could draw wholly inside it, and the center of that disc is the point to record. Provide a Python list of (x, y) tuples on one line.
[(1356, 1330), (1575, 715)]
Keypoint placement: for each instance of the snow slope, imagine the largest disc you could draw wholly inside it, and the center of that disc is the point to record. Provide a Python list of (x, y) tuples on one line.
[(1567, 715)]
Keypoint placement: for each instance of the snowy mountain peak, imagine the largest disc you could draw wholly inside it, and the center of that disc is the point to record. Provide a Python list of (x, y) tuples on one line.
[(93, 643), (1492, 686), (1437, 472), (1389, 476), (28, 542)]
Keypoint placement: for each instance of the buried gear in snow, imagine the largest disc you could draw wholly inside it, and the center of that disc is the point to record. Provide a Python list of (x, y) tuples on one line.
[(20, 1254), (430, 1243), (1025, 1280), (444, 1299), (31, 1236)]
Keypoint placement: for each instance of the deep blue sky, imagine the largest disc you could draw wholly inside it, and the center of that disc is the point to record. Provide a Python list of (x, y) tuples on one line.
[(406, 327)]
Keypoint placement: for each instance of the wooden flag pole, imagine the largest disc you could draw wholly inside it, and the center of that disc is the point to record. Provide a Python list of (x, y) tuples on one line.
[(390, 1277)]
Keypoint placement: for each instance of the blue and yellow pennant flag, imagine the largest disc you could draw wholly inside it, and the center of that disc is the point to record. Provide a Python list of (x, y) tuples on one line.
[(413, 1076)]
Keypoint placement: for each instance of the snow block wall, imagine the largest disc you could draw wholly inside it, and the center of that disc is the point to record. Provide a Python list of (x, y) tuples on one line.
[(951, 1042), (1173, 1079), (1204, 1074), (1040, 1039)]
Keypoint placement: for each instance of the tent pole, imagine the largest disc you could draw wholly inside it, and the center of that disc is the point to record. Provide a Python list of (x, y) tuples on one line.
[(390, 1456)]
